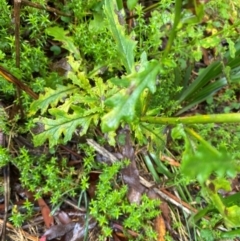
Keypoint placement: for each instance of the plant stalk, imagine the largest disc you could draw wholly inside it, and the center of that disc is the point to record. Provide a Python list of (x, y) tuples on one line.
[(197, 119)]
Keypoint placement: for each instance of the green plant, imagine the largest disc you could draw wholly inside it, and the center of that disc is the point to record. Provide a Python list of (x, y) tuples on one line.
[(215, 166), (136, 89), (132, 88), (4, 156), (46, 175), (141, 74), (17, 216), (111, 203)]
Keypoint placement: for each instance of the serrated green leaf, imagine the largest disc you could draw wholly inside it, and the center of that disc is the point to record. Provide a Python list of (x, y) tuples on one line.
[(204, 162), (211, 41), (123, 83), (57, 32), (64, 124), (97, 23), (125, 102), (60, 34), (66, 105), (230, 213), (232, 216), (51, 98), (78, 77), (125, 45), (221, 183)]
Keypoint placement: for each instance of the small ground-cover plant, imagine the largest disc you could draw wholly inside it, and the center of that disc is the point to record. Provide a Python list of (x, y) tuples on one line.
[(111, 204)]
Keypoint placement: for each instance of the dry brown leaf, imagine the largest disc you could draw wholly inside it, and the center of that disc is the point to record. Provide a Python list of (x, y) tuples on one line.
[(171, 161), (46, 213), (130, 173), (165, 212), (58, 230), (160, 228), (131, 178)]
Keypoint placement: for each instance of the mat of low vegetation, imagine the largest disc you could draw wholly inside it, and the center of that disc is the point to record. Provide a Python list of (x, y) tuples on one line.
[(119, 120)]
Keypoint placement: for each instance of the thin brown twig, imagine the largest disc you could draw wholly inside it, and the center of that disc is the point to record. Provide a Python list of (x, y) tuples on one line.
[(11, 78), (6, 174), (17, 5), (75, 206), (6, 198), (49, 9), (102, 150)]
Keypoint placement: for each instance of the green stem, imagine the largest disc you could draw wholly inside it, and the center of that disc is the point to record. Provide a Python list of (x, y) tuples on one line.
[(197, 119), (178, 10), (201, 140)]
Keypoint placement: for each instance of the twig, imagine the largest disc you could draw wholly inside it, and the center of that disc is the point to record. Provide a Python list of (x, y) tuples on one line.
[(102, 151), (6, 189), (6, 199), (11, 78), (164, 196), (17, 4), (49, 9), (75, 206)]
